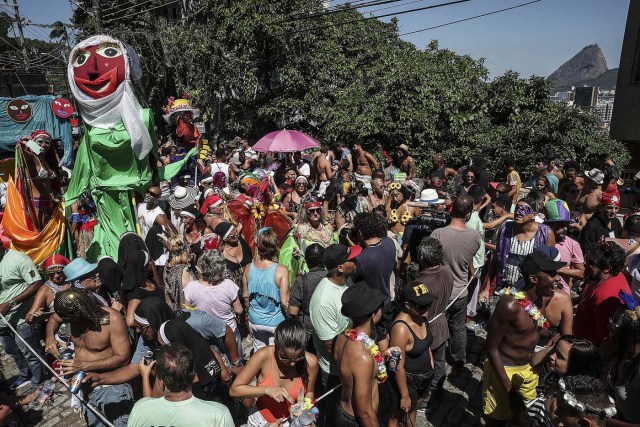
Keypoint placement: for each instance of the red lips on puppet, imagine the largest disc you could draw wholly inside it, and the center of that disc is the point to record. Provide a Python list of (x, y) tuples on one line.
[(99, 70)]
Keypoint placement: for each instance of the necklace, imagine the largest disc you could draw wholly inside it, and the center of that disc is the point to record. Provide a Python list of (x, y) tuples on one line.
[(354, 335), (532, 310)]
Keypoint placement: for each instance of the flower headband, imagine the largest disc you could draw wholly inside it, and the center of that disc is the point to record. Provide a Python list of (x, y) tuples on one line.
[(573, 401), (394, 186)]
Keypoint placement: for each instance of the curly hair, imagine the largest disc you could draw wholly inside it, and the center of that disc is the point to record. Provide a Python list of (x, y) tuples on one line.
[(607, 255), (212, 266), (370, 225)]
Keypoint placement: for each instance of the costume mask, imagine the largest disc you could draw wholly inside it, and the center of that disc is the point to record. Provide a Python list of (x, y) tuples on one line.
[(99, 69), (19, 111), (103, 73), (78, 304), (62, 108), (523, 210)]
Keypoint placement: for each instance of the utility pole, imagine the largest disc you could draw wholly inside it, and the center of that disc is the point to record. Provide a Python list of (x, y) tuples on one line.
[(19, 22), (96, 14)]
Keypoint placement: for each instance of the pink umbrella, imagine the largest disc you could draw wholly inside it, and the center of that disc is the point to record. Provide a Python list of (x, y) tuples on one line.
[(285, 141)]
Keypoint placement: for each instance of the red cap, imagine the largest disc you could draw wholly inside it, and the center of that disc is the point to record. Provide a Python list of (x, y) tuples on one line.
[(210, 201), (611, 197)]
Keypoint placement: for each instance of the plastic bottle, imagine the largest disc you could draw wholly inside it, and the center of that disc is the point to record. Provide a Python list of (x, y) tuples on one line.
[(45, 392), (307, 418)]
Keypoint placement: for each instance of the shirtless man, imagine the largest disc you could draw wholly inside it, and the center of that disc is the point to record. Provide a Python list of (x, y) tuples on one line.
[(101, 342), (358, 370), (508, 380), (345, 154), (406, 162), (590, 196), (365, 163), (324, 172)]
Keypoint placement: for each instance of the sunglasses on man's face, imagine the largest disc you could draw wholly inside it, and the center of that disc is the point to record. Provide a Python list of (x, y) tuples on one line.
[(151, 193), (313, 211)]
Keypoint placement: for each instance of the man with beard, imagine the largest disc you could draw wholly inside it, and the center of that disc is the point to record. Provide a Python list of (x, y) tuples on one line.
[(150, 212), (508, 380), (604, 223), (600, 296), (101, 342)]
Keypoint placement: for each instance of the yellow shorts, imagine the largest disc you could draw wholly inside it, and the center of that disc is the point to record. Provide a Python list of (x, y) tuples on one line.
[(495, 400)]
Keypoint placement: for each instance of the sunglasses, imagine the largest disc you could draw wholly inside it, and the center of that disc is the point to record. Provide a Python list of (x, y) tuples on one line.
[(152, 193), (289, 360), (312, 211), (422, 307)]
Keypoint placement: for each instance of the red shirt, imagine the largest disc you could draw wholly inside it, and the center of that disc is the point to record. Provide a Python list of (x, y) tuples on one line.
[(598, 304)]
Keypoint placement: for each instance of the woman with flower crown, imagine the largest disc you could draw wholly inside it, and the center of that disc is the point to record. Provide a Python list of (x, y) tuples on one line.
[(508, 379)]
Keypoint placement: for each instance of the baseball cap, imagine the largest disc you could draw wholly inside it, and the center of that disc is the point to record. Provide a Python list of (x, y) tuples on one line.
[(418, 293), (538, 261), (337, 254)]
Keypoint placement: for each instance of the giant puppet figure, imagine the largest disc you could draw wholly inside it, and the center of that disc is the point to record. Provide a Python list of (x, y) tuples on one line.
[(113, 158), (180, 115)]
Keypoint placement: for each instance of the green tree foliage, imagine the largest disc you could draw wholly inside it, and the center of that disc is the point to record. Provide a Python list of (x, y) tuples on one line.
[(253, 66)]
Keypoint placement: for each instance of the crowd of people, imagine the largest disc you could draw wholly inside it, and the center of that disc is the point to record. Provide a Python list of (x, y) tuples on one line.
[(255, 283)]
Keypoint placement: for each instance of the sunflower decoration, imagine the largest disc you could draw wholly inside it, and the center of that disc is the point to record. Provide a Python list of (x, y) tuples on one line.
[(347, 188), (393, 216), (406, 216), (394, 186), (258, 211)]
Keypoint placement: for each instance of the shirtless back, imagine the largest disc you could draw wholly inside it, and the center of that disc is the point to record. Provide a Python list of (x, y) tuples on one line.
[(357, 373), (323, 168), (365, 162)]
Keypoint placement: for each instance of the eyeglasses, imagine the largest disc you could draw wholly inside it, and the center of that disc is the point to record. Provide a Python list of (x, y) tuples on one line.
[(289, 360)]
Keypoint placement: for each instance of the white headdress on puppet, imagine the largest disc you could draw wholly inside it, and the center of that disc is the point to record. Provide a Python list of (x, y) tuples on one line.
[(121, 105)]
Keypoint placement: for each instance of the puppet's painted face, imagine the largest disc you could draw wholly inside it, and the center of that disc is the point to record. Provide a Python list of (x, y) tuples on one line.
[(62, 108), (99, 69), (19, 110)]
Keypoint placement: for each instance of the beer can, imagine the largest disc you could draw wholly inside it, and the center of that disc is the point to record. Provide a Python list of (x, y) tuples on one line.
[(394, 359), (65, 354), (76, 382), (148, 357)]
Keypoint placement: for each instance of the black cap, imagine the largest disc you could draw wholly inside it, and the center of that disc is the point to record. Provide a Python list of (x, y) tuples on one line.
[(361, 300), (418, 293), (338, 254), (538, 261)]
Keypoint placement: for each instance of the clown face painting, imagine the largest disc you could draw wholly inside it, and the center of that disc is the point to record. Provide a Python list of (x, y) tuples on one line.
[(99, 69)]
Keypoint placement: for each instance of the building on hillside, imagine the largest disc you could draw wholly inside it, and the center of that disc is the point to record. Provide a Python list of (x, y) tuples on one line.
[(604, 109)]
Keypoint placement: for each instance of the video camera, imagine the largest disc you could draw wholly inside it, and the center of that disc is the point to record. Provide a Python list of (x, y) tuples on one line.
[(422, 226)]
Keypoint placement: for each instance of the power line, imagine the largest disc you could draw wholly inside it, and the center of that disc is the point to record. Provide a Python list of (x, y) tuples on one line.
[(470, 18), (10, 44), (115, 12), (377, 17), (138, 13), (338, 9)]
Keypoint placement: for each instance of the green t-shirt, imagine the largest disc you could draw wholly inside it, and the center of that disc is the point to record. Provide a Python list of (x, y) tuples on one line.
[(192, 412), (17, 272), (327, 320)]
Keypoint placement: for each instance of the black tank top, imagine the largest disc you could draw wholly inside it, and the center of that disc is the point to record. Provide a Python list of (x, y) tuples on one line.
[(418, 359)]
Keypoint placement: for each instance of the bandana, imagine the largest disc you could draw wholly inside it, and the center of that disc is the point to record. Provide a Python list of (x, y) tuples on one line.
[(78, 303), (40, 134), (54, 263), (190, 211), (611, 197), (122, 105), (140, 320)]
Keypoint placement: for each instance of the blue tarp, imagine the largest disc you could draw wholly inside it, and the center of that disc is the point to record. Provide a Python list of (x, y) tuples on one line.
[(42, 118)]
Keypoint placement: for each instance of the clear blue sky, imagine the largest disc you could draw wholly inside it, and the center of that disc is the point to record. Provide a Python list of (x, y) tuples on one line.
[(534, 39)]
